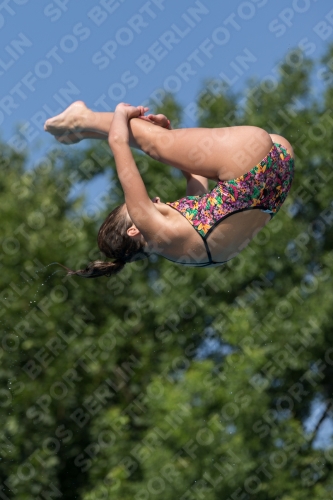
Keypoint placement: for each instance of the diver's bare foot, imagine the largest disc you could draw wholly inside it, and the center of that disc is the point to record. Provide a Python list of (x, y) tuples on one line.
[(71, 121)]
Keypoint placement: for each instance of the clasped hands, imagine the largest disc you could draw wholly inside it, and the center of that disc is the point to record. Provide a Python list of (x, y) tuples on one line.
[(125, 112)]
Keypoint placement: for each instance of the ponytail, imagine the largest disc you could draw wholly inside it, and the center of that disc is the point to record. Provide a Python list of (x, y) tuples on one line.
[(98, 268)]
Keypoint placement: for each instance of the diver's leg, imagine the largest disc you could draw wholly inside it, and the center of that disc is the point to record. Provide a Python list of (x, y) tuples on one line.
[(78, 122), (221, 153)]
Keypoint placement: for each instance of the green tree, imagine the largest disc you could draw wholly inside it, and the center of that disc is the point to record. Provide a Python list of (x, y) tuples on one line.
[(169, 381)]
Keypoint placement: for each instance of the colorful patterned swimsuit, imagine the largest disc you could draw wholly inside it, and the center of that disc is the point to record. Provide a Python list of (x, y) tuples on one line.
[(264, 187)]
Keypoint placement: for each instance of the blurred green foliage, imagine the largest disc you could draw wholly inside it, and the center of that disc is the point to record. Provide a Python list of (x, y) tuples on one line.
[(171, 382)]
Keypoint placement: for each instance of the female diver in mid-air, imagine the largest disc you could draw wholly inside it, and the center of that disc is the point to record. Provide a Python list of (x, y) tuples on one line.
[(253, 171)]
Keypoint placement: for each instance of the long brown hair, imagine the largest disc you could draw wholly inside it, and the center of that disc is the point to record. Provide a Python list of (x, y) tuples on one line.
[(115, 243)]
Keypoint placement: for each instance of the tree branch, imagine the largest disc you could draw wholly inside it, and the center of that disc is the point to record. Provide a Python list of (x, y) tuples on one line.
[(321, 420)]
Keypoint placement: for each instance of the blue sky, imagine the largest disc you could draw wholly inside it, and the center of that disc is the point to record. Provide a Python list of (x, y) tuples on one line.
[(108, 51), (127, 50)]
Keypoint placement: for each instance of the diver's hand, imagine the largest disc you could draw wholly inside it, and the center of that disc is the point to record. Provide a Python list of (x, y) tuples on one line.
[(130, 111), (159, 120), (119, 131)]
